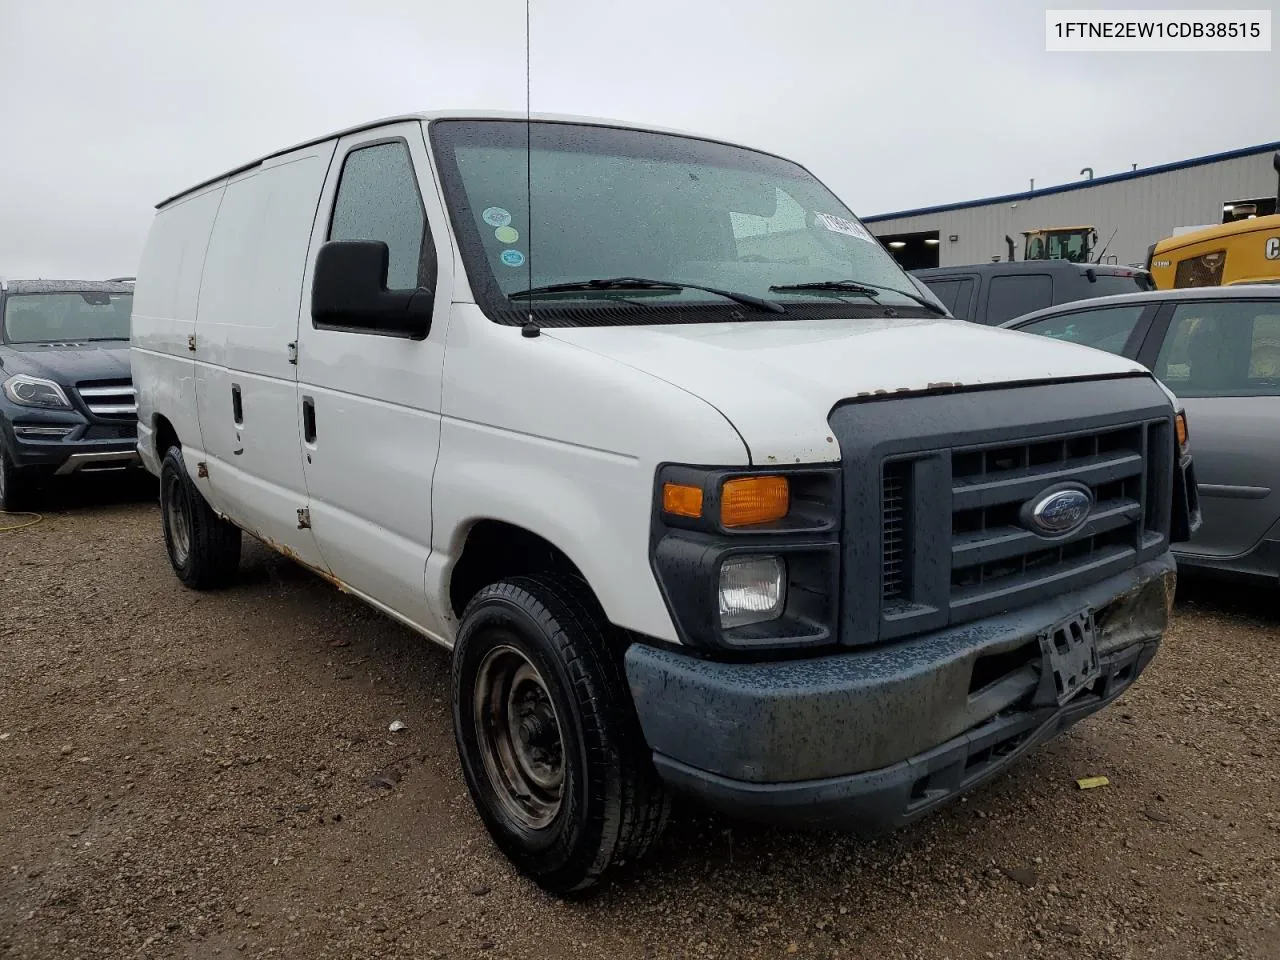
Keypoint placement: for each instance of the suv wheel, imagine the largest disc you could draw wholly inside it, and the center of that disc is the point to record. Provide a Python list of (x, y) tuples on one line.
[(13, 485), (549, 743), (204, 549)]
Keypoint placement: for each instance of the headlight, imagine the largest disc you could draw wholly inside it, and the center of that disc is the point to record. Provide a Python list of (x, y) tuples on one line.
[(752, 590), (35, 392), (749, 559)]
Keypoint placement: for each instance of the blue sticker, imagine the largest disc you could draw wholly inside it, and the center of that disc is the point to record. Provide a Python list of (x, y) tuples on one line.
[(512, 258), (496, 216)]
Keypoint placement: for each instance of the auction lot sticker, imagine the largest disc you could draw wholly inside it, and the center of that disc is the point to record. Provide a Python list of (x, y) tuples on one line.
[(850, 228)]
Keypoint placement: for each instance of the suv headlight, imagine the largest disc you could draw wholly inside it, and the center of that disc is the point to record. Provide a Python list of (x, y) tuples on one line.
[(35, 392)]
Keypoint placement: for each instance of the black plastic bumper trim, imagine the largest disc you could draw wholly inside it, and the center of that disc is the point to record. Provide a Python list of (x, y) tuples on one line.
[(880, 800)]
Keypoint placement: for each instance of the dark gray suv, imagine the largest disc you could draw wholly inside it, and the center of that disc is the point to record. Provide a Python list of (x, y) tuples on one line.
[(66, 394), (992, 293)]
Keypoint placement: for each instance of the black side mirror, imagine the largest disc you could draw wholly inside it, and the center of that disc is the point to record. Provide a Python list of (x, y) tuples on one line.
[(1092, 275), (349, 292)]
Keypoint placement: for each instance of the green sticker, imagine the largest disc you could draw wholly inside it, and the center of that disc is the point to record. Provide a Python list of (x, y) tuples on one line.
[(507, 234)]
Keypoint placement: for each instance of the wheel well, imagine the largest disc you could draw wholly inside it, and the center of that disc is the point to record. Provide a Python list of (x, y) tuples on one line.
[(166, 437), (496, 550)]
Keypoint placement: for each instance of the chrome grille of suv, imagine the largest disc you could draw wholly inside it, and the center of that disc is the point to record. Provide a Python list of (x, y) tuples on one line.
[(109, 399)]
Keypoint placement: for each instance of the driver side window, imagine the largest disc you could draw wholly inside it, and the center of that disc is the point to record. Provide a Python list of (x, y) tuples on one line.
[(378, 199), (1106, 329)]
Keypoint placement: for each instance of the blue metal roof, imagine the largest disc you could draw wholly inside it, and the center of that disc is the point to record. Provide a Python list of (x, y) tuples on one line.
[(1080, 184)]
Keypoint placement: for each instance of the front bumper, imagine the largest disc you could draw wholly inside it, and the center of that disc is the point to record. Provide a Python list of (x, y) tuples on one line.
[(870, 739), (78, 451)]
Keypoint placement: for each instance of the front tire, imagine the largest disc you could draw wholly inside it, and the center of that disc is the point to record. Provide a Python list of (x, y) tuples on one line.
[(14, 489), (204, 549), (547, 736)]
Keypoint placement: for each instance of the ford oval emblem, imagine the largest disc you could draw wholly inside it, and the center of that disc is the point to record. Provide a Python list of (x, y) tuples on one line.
[(1059, 511)]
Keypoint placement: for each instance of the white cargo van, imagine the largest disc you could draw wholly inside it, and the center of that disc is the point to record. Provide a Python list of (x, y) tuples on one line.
[(702, 491)]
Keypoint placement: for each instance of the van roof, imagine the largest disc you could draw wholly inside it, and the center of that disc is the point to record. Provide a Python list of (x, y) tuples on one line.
[(1231, 229), (437, 115), (65, 286)]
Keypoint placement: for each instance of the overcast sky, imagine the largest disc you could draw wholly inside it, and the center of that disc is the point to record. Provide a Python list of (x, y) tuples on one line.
[(107, 107)]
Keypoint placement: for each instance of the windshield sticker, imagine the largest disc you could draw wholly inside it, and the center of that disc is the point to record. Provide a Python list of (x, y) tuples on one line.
[(848, 227), (507, 234), (496, 216), (512, 258)]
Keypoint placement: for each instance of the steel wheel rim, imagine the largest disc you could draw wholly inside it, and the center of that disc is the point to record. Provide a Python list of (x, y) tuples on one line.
[(519, 736), (178, 518)]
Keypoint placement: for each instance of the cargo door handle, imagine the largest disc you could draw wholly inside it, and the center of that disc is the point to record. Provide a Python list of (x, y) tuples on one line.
[(308, 420), (237, 405)]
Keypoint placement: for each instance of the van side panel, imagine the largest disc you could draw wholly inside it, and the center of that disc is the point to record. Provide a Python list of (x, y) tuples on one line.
[(164, 316), (245, 380)]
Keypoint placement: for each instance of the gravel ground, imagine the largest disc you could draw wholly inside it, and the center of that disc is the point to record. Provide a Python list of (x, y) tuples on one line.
[(199, 776)]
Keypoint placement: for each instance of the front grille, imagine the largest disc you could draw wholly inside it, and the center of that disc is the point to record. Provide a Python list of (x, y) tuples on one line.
[(109, 399), (110, 431), (996, 560), (993, 553)]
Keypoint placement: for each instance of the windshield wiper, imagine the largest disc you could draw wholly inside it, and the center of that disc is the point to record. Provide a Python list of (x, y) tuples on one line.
[(872, 290), (641, 283)]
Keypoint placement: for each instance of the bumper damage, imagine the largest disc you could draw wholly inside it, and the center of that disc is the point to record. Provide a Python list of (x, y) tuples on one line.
[(871, 739)]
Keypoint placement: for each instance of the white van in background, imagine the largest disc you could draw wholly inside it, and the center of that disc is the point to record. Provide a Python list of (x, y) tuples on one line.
[(699, 487)]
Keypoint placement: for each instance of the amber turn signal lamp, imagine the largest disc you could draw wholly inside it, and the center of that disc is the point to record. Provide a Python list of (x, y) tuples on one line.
[(751, 500), (1180, 421), (682, 499)]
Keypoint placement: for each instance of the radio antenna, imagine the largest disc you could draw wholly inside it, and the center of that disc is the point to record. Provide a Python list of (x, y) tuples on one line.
[(530, 328)]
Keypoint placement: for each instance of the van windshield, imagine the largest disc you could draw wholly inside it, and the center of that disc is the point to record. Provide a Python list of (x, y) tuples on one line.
[(614, 203), (66, 317)]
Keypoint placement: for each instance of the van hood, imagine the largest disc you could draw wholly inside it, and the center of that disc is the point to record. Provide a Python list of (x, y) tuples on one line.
[(68, 364), (777, 381)]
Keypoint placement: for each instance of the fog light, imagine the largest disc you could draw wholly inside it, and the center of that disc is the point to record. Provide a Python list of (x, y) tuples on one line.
[(752, 589), (43, 433)]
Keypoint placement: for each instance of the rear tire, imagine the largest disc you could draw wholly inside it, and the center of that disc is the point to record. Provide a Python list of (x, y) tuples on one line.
[(204, 549), (548, 739), (15, 490)]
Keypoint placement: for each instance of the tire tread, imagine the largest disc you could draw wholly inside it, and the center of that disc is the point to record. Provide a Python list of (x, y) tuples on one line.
[(631, 812), (214, 559)]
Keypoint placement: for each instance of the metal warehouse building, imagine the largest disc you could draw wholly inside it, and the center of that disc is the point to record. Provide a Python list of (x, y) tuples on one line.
[(1140, 207)]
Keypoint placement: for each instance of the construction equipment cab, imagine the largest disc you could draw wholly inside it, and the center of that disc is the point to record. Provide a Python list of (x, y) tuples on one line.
[(700, 489), (1075, 244), (1240, 251)]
